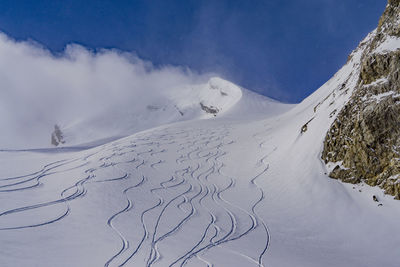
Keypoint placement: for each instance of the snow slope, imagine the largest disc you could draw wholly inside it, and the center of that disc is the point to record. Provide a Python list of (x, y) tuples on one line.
[(246, 188), (173, 105), (131, 115)]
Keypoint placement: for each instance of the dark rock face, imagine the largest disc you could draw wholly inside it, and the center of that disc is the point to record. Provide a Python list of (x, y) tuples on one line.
[(388, 24), (305, 126), (209, 109), (365, 137), (57, 136)]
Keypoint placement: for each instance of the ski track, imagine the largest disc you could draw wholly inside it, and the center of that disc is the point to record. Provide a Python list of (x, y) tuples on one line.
[(262, 163), (197, 187)]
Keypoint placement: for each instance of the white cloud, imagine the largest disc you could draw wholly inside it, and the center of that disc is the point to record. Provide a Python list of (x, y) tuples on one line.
[(39, 89)]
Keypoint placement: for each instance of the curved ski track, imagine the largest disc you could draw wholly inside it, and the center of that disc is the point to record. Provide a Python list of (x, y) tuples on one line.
[(195, 194)]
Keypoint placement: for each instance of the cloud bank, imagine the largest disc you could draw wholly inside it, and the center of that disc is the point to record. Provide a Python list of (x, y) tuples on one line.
[(39, 89)]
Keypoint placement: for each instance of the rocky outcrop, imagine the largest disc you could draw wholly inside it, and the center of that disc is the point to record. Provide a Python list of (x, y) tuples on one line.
[(209, 109), (305, 126), (57, 136), (389, 22), (364, 140)]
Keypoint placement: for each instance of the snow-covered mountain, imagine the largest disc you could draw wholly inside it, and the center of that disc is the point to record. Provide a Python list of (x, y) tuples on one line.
[(187, 102), (247, 187)]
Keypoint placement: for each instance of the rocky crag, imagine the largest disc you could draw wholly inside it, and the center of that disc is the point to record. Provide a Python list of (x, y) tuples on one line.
[(57, 137), (363, 143)]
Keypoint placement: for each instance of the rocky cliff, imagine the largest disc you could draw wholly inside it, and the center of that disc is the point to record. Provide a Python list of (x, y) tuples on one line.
[(363, 143)]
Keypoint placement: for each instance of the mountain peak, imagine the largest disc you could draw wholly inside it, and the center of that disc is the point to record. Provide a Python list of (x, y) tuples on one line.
[(389, 23)]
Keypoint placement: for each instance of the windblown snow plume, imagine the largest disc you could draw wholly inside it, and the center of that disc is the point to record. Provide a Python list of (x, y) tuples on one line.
[(85, 91)]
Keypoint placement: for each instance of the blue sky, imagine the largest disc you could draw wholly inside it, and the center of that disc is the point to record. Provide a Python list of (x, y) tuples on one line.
[(282, 49)]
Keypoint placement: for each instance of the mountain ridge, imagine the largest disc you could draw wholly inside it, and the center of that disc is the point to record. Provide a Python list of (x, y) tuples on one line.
[(363, 140)]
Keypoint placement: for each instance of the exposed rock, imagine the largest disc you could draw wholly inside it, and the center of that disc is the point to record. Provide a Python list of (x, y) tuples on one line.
[(57, 136), (209, 109), (365, 136), (389, 22), (305, 126)]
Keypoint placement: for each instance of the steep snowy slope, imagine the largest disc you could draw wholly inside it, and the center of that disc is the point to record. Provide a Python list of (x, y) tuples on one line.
[(226, 191), (245, 188)]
